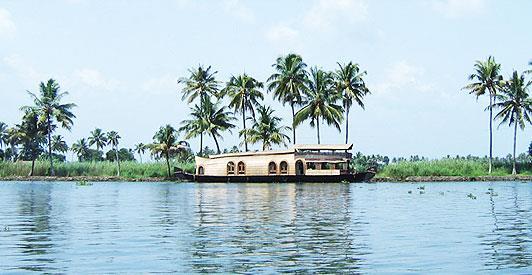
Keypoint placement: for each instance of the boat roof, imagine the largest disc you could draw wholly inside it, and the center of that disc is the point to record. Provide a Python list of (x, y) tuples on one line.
[(323, 146), (297, 147)]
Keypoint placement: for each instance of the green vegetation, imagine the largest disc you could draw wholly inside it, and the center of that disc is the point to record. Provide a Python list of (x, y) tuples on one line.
[(129, 169)]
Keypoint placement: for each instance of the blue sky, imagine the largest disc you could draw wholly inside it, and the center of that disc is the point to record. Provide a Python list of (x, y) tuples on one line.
[(120, 61)]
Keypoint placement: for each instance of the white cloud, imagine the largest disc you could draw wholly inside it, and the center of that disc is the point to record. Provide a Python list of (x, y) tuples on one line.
[(95, 79), (457, 8), (402, 75), (157, 85), (282, 34), (23, 68), (325, 13), (239, 10), (7, 26)]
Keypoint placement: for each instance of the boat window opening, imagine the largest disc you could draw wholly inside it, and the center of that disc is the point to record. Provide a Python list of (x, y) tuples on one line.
[(272, 168), (284, 167), (241, 168), (201, 171), (311, 165), (230, 168)]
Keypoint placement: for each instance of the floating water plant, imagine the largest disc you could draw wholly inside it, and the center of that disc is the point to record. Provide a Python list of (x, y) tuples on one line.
[(83, 183), (471, 196)]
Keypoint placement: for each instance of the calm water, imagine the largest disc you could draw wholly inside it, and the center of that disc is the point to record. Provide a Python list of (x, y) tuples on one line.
[(268, 228)]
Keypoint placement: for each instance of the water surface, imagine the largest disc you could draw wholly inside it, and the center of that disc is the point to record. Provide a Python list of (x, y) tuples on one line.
[(249, 228)]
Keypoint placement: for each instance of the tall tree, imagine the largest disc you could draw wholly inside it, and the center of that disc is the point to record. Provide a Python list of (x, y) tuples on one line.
[(3, 134), (244, 94), (81, 149), (201, 83), (515, 105), (267, 129), (140, 148), (31, 135), (97, 138), (350, 83), (50, 108), (288, 83), (165, 144), (321, 102), (112, 139), (486, 78), (217, 120), (12, 138)]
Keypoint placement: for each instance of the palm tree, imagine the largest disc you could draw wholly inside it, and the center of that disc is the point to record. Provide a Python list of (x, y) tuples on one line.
[(200, 83), (321, 102), (3, 134), (515, 105), (140, 149), (486, 78), (350, 83), (31, 135), (288, 83), (49, 107), (80, 148), (98, 137), (59, 144), (267, 130), (12, 138), (112, 139), (212, 119), (244, 94), (164, 144)]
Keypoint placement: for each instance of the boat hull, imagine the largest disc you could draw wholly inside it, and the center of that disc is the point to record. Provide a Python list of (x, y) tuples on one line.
[(358, 177)]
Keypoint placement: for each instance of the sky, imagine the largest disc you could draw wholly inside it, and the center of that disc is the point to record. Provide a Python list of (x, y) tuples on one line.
[(120, 60)]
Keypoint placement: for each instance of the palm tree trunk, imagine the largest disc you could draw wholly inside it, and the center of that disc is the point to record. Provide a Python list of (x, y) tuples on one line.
[(167, 163), (244, 123), (293, 124), (52, 172), (140, 156), (32, 167), (117, 160), (216, 141), (491, 133), (514, 171), (201, 144), (346, 124), (318, 128)]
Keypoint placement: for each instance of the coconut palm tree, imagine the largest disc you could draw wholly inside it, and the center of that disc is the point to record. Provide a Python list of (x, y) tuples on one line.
[(200, 84), (350, 83), (49, 107), (97, 138), (140, 148), (515, 105), (12, 139), (244, 94), (267, 129), (212, 119), (81, 149), (486, 78), (3, 134), (112, 139), (59, 144), (288, 83), (321, 102), (165, 144), (31, 135)]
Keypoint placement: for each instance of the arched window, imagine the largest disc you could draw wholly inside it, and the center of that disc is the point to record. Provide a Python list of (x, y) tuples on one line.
[(284, 167), (230, 168), (272, 168), (201, 171), (241, 168)]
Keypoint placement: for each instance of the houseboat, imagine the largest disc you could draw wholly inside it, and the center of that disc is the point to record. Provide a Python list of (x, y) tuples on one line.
[(302, 163)]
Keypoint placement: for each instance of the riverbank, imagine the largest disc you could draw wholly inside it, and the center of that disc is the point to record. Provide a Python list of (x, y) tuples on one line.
[(163, 179)]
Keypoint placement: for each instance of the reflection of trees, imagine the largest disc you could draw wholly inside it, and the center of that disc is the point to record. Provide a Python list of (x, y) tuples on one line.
[(34, 210), (507, 245)]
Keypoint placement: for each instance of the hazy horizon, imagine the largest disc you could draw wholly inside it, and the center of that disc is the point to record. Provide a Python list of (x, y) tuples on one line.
[(120, 61)]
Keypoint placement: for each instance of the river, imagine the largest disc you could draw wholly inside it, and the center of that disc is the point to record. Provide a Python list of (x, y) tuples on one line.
[(61, 227)]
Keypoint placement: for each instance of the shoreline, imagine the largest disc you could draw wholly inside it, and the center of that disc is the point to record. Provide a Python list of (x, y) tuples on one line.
[(376, 179)]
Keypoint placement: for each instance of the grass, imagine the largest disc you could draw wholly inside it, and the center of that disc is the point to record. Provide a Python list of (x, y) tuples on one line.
[(129, 169), (445, 167)]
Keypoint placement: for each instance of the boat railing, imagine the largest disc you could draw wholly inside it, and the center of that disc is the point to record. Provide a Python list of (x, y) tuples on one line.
[(318, 155)]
